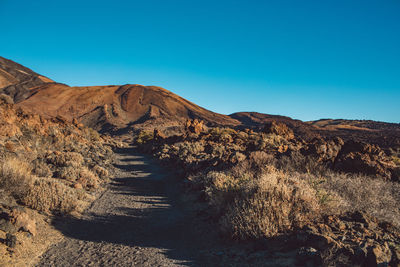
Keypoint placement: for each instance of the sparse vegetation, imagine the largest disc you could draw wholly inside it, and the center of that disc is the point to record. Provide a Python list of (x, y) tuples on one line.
[(53, 167), (261, 185), (15, 177), (48, 195), (143, 137)]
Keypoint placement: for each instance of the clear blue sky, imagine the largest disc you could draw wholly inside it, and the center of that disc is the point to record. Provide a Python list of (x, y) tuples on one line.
[(304, 59)]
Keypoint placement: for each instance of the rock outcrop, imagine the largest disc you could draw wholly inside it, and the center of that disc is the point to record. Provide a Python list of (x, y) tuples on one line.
[(194, 126), (278, 128), (352, 157)]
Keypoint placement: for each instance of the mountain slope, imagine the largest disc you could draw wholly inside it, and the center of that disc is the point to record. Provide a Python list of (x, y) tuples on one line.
[(16, 80), (258, 120), (117, 107)]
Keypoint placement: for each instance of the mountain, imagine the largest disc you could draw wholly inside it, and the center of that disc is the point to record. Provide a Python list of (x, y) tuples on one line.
[(17, 80), (117, 107)]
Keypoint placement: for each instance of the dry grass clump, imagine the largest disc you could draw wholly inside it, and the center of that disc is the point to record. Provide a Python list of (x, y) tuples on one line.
[(15, 177), (49, 195), (92, 134), (272, 142), (222, 135), (81, 175), (185, 149), (100, 171), (41, 168), (88, 179), (255, 206), (375, 196), (65, 159)]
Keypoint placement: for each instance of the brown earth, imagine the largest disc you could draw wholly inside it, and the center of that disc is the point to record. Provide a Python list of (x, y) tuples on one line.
[(17, 80), (117, 107)]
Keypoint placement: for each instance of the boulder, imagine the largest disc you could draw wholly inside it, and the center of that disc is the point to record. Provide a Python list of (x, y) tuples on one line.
[(323, 150), (358, 157), (22, 221), (159, 135), (194, 126)]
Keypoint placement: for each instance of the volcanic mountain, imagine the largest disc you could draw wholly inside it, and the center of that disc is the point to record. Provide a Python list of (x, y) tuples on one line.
[(117, 107), (105, 108), (17, 80)]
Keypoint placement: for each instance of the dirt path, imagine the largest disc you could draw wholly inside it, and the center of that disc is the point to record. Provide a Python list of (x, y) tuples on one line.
[(138, 221)]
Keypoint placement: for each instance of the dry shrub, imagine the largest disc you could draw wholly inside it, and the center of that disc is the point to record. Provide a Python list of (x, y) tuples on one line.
[(396, 160), (375, 196), (188, 148), (237, 157), (81, 175), (65, 159), (41, 169), (218, 151), (49, 195), (298, 163), (88, 179), (272, 204), (256, 206), (68, 173), (100, 171), (271, 142), (15, 177), (222, 131), (143, 137), (92, 134), (221, 187)]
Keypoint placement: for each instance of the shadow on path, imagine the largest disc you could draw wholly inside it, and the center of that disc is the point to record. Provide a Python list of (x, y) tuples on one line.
[(142, 208)]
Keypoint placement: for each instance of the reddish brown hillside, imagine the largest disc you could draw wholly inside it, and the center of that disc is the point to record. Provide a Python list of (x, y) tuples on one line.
[(117, 107), (386, 135), (258, 120), (16, 80)]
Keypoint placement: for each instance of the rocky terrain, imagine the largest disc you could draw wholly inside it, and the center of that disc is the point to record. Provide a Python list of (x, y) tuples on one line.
[(335, 201)]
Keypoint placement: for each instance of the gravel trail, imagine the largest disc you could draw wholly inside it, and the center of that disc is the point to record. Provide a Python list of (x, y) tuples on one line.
[(139, 220)]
